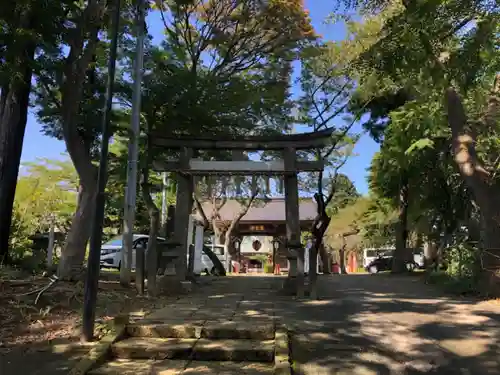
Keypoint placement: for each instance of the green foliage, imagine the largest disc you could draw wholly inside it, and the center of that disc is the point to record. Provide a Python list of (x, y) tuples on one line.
[(419, 145), (268, 268), (347, 219), (46, 193), (463, 267), (402, 56), (378, 223), (19, 240), (462, 260), (345, 194), (28, 21)]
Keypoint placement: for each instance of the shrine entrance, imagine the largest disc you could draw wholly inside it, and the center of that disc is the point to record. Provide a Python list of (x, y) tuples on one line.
[(187, 169), (264, 222)]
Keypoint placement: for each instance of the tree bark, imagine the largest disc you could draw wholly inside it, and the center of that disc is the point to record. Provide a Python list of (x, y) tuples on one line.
[(234, 224), (486, 193), (342, 269), (76, 64), (14, 103), (430, 254), (320, 225), (73, 253), (325, 259)]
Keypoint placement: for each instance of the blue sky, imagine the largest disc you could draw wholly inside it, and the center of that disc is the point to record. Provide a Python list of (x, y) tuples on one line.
[(38, 145)]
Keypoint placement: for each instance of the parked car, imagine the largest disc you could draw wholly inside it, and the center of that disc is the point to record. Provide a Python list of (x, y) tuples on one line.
[(111, 251), (371, 253), (384, 263)]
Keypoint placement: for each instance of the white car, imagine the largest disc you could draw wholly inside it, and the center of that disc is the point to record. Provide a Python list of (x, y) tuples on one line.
[(111, 251)]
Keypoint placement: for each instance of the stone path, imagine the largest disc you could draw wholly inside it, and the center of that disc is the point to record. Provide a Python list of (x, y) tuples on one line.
[(361, 325)]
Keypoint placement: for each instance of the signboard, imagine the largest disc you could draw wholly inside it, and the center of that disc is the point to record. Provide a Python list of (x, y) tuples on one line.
[(257, 228)]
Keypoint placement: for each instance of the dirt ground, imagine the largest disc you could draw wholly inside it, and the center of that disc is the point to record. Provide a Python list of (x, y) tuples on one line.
[(43, 338)]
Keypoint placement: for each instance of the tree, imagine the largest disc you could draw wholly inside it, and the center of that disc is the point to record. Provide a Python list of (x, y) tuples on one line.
[(342, 233), (215, 193), (345, 194), (243, 82), (378, 221), (69, 94), (24, 27), (442, 52), (323, 104), (45, 198)]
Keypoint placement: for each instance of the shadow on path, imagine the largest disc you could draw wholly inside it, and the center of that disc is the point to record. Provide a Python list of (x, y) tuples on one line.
[(371, 324), (384, 324)]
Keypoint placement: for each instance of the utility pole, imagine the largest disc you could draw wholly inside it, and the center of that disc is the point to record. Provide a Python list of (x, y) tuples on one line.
[(133, 149), (93, 263)]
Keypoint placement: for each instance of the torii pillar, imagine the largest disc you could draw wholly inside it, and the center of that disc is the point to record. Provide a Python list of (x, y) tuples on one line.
[(183, 208), (294, 283)]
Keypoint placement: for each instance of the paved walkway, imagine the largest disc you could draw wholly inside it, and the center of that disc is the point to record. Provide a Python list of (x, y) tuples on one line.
[(361, 325)]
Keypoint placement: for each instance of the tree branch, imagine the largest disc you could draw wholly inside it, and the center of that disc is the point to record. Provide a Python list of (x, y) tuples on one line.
[(242, 213), (463, 143), (199, 208), (334, 181), (324, 122)]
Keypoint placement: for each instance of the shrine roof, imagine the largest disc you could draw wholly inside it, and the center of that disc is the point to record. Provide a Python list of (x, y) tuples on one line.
[(260, 212)]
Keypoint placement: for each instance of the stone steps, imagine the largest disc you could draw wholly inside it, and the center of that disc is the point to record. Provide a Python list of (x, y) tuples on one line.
[(168, 347), (202, 329), (196, 349), (170, 367)]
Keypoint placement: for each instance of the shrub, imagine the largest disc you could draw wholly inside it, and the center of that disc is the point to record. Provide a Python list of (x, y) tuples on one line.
[(462, 261), (268, 268), (462, 269)]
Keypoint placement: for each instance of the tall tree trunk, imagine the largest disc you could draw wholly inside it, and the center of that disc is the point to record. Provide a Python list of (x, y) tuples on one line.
[(430, 253), (319, 227), (486, 193), (325, 259), (14, 102), (79, 58), (400, 255), (228, 251), (342, 268), (73, 253)]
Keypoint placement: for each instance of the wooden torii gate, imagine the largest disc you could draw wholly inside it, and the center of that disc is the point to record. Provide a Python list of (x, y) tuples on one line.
[(187, 167)]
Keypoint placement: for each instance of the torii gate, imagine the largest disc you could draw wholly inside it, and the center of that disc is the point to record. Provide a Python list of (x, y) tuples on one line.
[(187, 167)]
